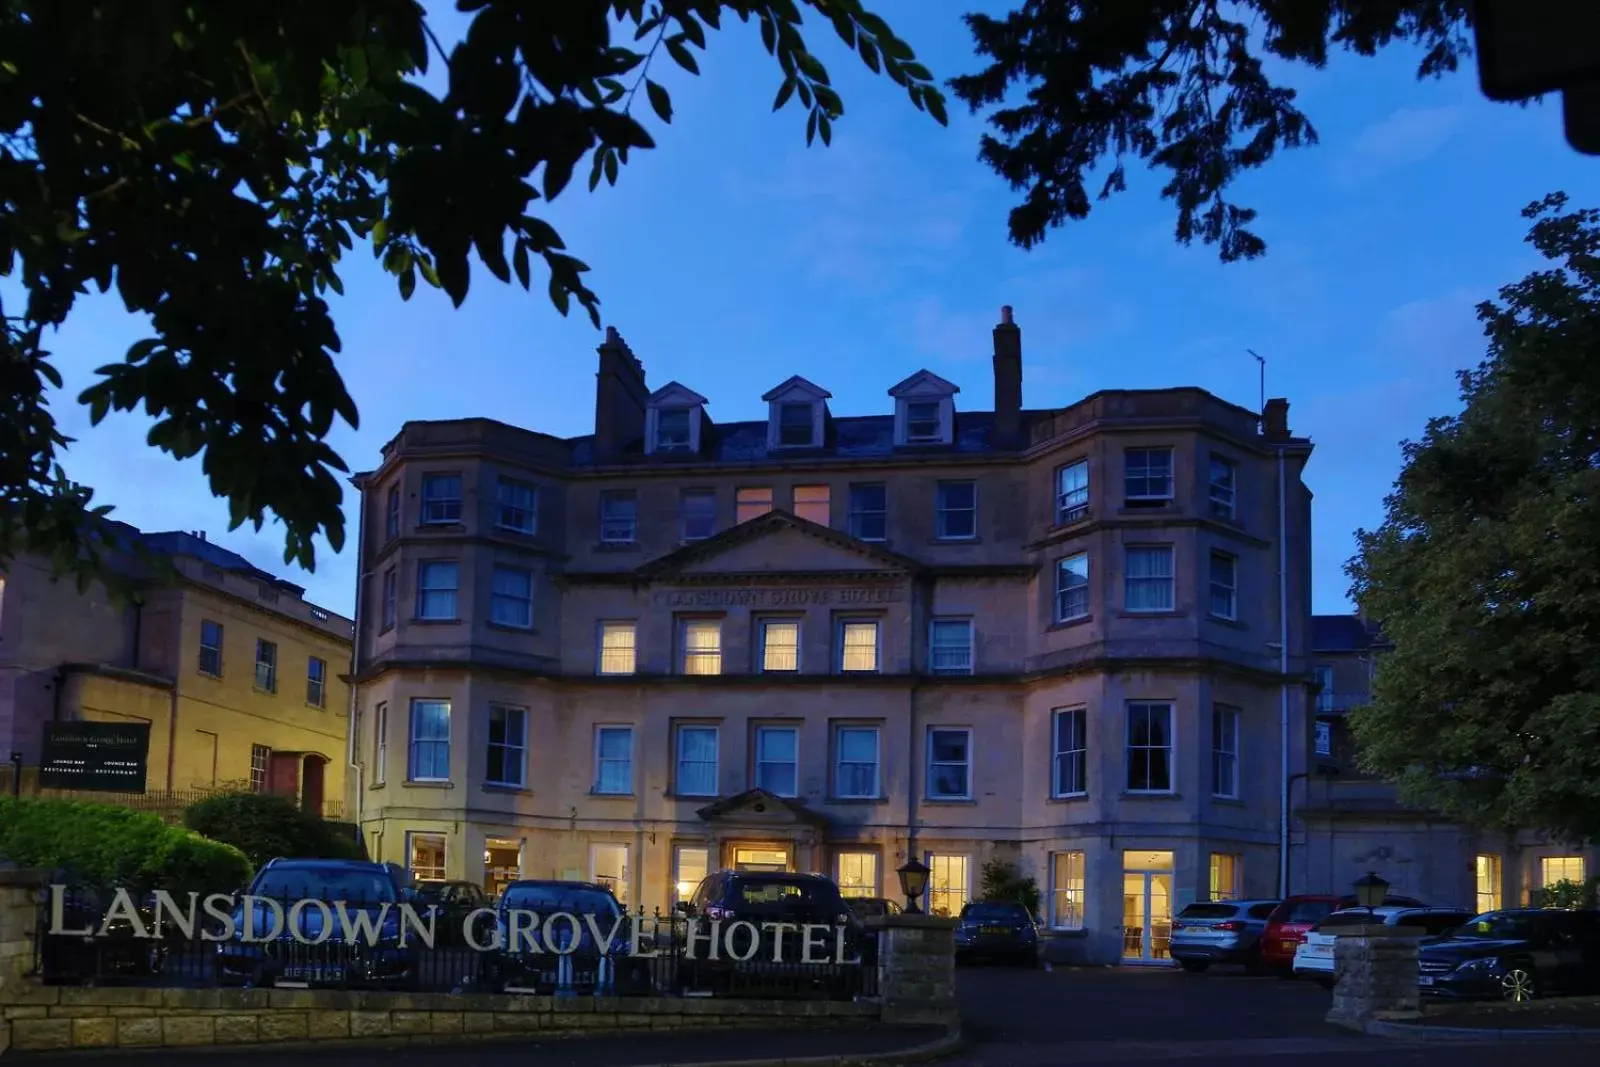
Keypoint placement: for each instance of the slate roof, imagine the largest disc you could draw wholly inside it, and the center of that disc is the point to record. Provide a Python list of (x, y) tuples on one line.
[(1344, 633)]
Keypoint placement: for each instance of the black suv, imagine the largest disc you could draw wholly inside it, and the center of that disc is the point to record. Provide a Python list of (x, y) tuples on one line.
[(1514, 955)]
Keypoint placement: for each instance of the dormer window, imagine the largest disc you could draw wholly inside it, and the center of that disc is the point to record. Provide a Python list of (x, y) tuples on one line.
[(925, 410), (672, 430), (673, 419), (796, 413), (794, 425)]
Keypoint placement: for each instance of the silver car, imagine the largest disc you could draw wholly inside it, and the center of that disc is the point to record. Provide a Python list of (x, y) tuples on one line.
[(1220, 931)]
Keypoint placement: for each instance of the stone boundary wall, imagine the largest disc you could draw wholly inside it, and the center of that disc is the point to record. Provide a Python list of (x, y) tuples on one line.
[(52, 1018)]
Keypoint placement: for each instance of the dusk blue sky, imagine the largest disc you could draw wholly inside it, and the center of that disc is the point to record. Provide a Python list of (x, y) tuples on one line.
[(732, 257)]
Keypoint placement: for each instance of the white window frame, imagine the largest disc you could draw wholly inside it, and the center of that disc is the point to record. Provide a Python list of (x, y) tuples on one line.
[(1072, 494), (1225, 779), (1076, 751), (1070, 897), (839, 762), (412, 741), (316, 682), (965, 661), (625, 894), (412, 836), (603, 650), (818, 507), (750, 502), (699, 656), (600, 761), (617, 528), (697, 522), (913, 411), (675, 445), (1152, 581), (845, 626), (1222, 491), (678, 761), (1224, 585), (963, 892), (862, 887), (1324, 737), (390, 593), (1488, 884), (764, 645), (516, 506), (380, 742), (1128, 748), (859, 516), (1231, 863), (805, 412), (1322, 673), (260, 769), (679, 893), (432, 571), (521, 749), (440, 507), (513, 610), (765, 730), (1148, 476), (944, 513), (930, 763), (214, 668), (1066, 592), (267, 661), (1565, 862)]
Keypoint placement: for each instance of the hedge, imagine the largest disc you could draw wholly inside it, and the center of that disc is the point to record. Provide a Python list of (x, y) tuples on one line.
[(264, 827), (107, 844)]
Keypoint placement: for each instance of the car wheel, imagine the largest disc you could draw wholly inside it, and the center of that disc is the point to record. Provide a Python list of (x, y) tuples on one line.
[(1194, 966), (1517, 984)]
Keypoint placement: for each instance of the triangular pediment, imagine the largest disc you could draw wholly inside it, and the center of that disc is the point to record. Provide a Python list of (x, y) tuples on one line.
[(924, 385), (794, 390), (779, 543), (761, 807), (676, 395)]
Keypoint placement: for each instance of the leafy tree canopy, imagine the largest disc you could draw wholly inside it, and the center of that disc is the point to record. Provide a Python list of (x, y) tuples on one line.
[(1485, 573), (213, 160)]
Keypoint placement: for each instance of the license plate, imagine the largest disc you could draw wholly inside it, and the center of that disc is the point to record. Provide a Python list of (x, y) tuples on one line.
[(1426, 979), (992, 930), (1319, 950), (307, 974)]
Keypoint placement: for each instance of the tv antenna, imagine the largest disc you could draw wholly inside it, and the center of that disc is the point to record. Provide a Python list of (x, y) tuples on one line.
[(1262, 405)]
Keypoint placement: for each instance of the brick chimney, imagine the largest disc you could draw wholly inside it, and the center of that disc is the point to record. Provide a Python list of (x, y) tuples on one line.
[(619, 398), (1007, 380), (1275, 419)]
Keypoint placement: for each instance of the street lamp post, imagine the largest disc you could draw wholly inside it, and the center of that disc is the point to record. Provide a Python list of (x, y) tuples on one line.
[(1371, 891)]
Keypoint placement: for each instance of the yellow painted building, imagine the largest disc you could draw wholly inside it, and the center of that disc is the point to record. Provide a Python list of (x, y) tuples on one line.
[(240, 678)]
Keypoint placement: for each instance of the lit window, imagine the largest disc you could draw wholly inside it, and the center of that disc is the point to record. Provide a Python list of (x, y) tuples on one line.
[(702, 646), (1487, 877), (780, 645), (697, 761), (1556, 869), (812, 504), (949, 885), (1223, 476), (1071, 770), (617, 648), (949, 764), (1225, 876), (512, 601), (609, 867), (519, 506), (856, 874), (508, 741), (1147, 578), (690, 864), (751, 503), (1066, 890), (796, 425), (619, 517), (1072, 492), (697, 514), (957, 515), (1072, 587), (1149, 748), (858, 646), (441, 498), (1224, 586), (266, 666), (777, 760), (437, 583), (950, 646), (1225, 751), (1147, 477), (869, 512), (856, 773), (613, 760), (425, 857)]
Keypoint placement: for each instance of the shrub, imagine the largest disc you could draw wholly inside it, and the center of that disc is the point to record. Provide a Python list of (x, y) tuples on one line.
[(264, 827), (1567, 894), (107, 844), (1002, 881)]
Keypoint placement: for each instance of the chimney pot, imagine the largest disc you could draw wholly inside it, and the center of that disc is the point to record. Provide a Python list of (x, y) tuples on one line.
[(1007, 381), (1275, 419), (1005, 314), (611, 335)]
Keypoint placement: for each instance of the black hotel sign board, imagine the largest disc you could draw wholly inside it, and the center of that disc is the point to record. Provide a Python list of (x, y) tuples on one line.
[(104, 757)]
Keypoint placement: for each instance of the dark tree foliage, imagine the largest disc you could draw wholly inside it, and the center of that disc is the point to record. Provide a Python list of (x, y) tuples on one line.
[(1176, 83), (1486, 570), (213, 160)]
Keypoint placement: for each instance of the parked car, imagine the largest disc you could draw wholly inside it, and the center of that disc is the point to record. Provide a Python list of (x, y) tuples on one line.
[(114, 947), (362, 887), (996, 929), (1220, 931), (1514, 955), (1295, 917), (451, 902), (1314, 957), (873, 907), (584, 964)]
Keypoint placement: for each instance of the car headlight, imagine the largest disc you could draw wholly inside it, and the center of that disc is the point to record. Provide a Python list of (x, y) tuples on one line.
[(1484, 966)]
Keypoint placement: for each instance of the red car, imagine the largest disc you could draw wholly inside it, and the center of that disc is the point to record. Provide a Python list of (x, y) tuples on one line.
[(1294, 918)]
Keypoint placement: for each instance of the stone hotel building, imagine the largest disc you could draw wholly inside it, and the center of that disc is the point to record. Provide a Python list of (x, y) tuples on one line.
[(828, 642)]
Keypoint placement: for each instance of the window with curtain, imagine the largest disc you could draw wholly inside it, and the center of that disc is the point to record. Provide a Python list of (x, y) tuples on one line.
[(948, 885), (951, 646), (858, 646), (1072, 492), (1147, 578), (780, 645), (512, 602), (697, 761), (777, 760), (437, 582), (1072, 587), (702, 646), (613, 760), (1225, 876), (617, 648), (856, 776), (857, 874)]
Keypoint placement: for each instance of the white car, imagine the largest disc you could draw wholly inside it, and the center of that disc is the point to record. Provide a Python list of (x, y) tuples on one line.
[(1314, 957)]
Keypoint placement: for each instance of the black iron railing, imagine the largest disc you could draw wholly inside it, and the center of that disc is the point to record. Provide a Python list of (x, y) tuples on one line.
[(94, 936)]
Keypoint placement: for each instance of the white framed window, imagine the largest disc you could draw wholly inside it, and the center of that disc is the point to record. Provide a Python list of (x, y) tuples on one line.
[(1554, 869), (690, 865), (619, 517), (380, 743), (266, 665), (1072, 587), (858, 646), (1225, 751), (1486, 876), (1147, 578), (210, 648), (438, 581), (512, 601), (1072, 492), (779, 645), (778, 760), (316, 681), (608, 866), (1070, 772), (425, 854), (391, 596), (751, 502), (697, 514), (441, 499), (700, 646), (814, 503), (1225, 876), (855, 775), (795, 424), (518, 506), (429, 749), (1147, 477), (949, 763), (1223, 480), (950, 646), (923, 424), (508, 746), (949, 884), (1323, 674), (673, 430), (1324, 737), (869, 512), (391, 522), (696, 761), (260, 764), (1224, 586), (1149, 747), (1067, 884), (856, 874), (613, 760), (956, 517), (618, 649)]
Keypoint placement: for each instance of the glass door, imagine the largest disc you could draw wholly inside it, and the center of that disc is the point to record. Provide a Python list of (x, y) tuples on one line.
[(1147, 907), (772, 859)]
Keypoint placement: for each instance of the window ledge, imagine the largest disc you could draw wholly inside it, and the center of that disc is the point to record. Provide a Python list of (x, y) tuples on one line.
[(1231, 802), (316, 707), (442, 527), (973, 540), (513, 530), (429, 785), (1171, 613), (1136, 794), (506, 787), (264, 689), (378, 785), (1060, 526), (1232, 624), (1169, 508), (697, 797), (951, 801), (1067, 624), (208, 674), (1068, 798), (597, 795), (510, 629), (857, 800), (435, 622)]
